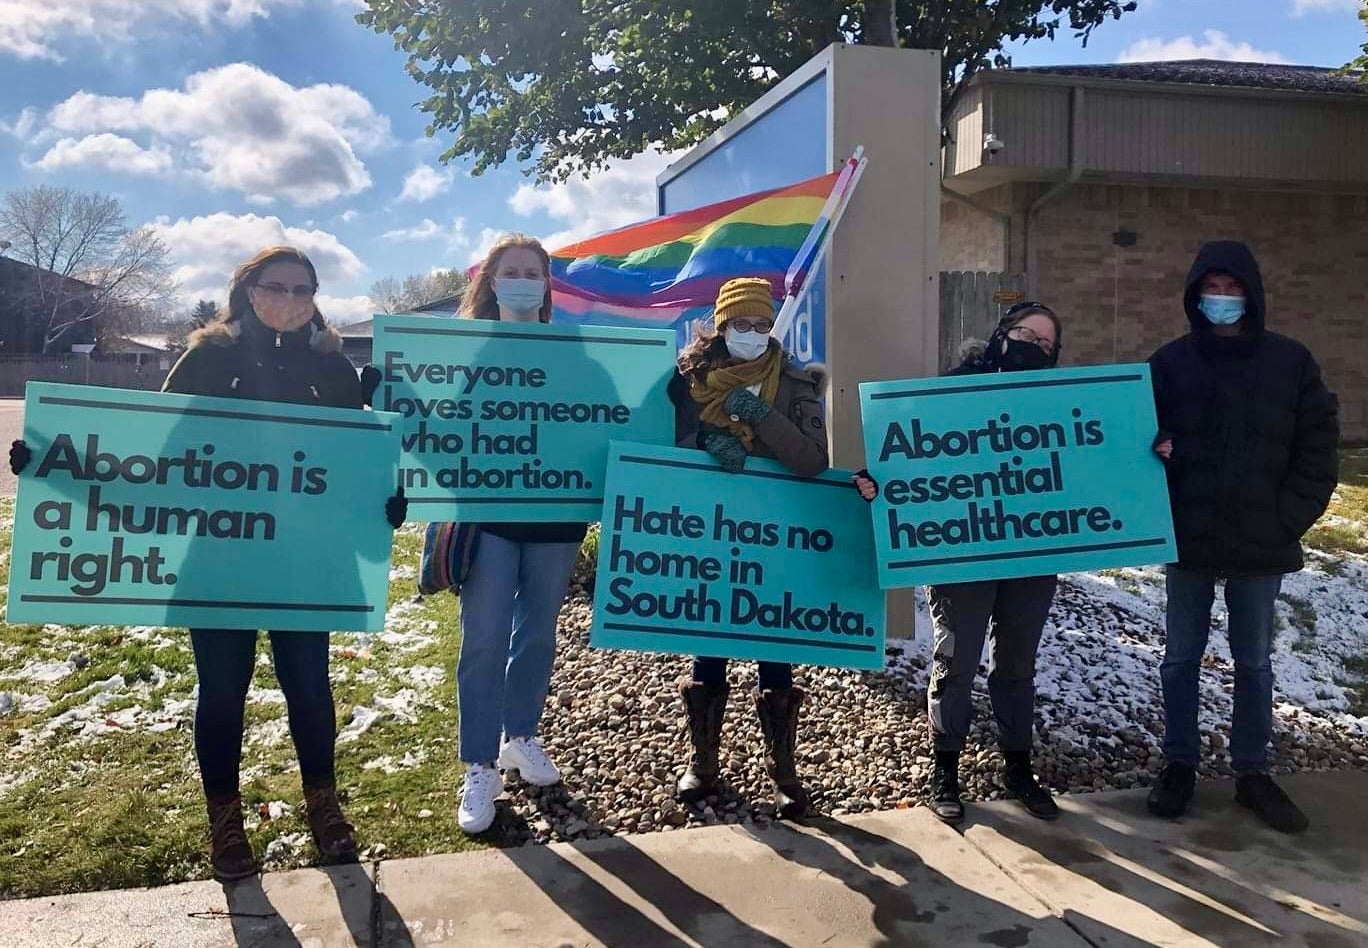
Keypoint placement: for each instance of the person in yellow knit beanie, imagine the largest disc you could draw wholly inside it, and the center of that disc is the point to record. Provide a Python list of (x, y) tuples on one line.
[(737, 394)]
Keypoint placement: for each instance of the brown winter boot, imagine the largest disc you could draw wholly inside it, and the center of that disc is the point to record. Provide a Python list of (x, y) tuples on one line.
[(229, 852), (332, 834), (778, 710), (703, 707)]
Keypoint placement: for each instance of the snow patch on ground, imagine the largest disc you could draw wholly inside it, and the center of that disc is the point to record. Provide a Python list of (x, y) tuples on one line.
[(388, 765)]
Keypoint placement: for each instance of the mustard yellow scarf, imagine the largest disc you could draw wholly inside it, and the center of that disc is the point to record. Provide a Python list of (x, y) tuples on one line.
[(711, 388)]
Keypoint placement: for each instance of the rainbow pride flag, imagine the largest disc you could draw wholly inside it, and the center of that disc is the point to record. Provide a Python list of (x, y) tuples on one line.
[(665, 272)]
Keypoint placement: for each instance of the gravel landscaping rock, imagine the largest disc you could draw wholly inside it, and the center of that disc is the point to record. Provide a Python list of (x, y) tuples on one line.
[(613, 725)]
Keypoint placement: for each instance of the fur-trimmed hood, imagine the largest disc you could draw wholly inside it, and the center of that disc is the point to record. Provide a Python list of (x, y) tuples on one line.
[(815, 372), (323, 339), (972, 350)]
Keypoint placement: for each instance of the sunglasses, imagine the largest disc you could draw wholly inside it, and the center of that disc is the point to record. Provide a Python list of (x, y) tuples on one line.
[(280, 290)]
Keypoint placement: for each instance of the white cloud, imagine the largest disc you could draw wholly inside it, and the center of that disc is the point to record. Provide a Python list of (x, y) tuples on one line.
[(427, 229), (243, 129), (349, 215), (621, 194), (480, 247), (345, 310), (107, 152), (23, 127), (206, 249), (1214, 45), (424, 183), (1303, 7), (35, 29)]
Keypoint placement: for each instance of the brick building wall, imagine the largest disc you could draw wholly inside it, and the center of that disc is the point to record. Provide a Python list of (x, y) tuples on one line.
[(969, 239), (1121, 303)]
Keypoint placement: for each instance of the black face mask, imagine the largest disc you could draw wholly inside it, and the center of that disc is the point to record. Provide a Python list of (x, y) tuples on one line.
[(1024, 356)]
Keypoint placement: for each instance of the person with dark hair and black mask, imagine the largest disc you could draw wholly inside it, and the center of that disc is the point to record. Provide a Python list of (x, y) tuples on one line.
[(1248, 434), (1010, 613)]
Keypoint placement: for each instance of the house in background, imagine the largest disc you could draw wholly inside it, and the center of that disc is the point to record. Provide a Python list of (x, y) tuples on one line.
[(24, 321), (150, 350), (1096, 185), (358, 338)]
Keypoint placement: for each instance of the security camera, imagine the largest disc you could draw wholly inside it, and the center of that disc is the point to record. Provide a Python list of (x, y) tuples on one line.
[(992, 144)]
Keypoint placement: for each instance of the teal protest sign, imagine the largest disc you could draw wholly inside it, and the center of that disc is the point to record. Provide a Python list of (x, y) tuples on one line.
[(762, 564), (140, 508), (511, 421), (1016, 474)]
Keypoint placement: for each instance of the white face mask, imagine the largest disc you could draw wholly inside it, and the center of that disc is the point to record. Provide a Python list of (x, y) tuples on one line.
[(746, 345)]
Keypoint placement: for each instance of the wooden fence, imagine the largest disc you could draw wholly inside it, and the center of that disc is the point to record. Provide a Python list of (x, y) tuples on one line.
[(15, 371), (971, 305)]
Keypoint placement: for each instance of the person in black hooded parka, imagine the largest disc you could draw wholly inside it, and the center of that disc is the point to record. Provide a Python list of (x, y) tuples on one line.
[(1248, 432)]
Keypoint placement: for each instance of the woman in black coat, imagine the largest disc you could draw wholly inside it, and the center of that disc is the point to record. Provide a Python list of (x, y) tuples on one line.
[(270, 344), (1009, 613)]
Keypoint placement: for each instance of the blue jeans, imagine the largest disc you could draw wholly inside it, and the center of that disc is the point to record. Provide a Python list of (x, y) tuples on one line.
[(1250, 602), (224, 660), (509, 605)]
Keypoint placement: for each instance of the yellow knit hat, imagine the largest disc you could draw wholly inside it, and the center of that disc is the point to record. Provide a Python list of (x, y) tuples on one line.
[(743, 298)]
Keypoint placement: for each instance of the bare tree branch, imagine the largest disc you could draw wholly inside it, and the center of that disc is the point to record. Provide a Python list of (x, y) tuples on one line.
[(87, 262)]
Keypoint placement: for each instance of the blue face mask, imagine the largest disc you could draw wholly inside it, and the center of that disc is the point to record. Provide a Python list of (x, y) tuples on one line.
[(1222, 310), (518, 295)]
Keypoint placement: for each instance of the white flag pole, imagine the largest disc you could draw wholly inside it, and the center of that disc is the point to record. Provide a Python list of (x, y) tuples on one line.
[(789, 310)]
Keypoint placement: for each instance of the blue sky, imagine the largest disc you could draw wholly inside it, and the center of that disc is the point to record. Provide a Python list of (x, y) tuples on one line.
[(229, 124)]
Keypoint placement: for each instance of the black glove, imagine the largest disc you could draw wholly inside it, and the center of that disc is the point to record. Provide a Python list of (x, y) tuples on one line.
[(396, 509), (20, 456), (370, 381), (729, 451), (744, 405), (863, 473)]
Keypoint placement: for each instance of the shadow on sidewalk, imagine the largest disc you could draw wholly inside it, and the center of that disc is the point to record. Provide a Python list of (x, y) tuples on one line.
[(257, 924), (371, 918), (1224, 880), (918, 905), (612, 921), (689, 910), (254, 919)]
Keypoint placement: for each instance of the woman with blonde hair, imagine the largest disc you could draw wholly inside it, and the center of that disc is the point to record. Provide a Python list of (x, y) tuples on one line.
[(518, 578)]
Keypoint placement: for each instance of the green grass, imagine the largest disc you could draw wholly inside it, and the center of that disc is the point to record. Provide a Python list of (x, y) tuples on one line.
[(1344, 529), (1303, 612), (1356, 683), (126, 809)]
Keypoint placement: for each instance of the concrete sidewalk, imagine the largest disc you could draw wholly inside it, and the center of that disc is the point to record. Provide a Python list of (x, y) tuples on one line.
[(1105, 874)]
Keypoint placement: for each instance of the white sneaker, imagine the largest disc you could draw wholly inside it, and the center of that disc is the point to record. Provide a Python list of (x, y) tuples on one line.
[(482, 785), (525, 755)]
